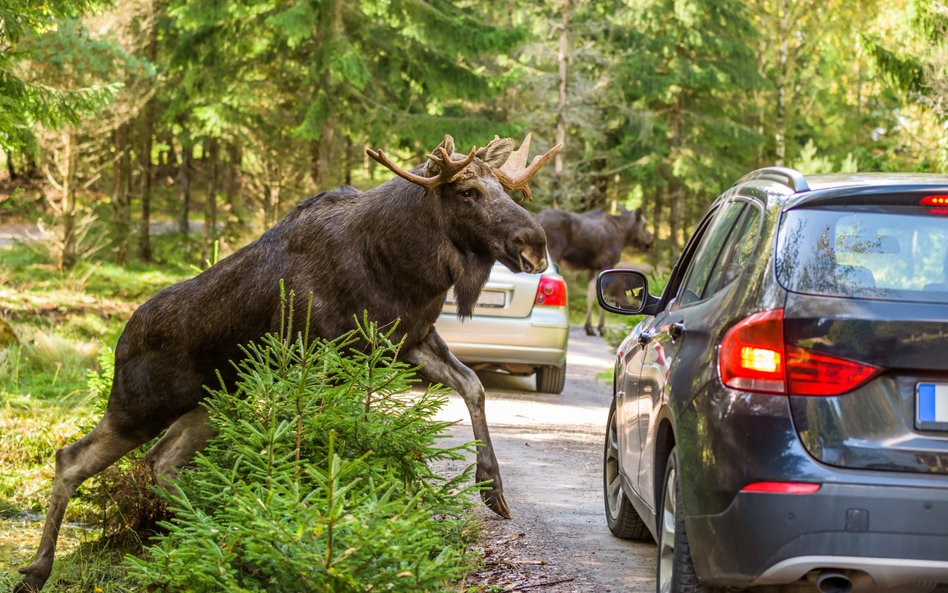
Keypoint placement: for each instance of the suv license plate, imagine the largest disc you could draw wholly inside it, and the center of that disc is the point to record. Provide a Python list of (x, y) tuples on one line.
[(931, 406)]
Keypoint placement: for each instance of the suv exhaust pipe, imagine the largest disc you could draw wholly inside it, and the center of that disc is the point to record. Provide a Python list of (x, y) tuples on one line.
[(831, 581)]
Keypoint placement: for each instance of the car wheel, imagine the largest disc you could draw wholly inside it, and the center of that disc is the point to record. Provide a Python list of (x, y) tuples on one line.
[(621, 516), (676, 571), (551, 379)]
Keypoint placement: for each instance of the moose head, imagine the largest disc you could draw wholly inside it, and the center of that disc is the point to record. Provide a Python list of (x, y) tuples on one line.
[(635, 228), (471, 191)]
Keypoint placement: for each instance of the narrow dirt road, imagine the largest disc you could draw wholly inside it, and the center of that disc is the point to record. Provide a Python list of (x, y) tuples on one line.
[(550, 452)]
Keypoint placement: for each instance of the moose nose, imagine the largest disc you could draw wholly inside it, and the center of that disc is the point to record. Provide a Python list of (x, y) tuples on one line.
[(530, 246)]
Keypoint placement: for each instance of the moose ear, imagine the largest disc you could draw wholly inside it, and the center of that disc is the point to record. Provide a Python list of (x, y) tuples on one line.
[(432, 167), (497, 151)]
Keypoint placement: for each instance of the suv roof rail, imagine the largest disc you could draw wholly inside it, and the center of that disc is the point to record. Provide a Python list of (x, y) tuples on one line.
[(785, 175)]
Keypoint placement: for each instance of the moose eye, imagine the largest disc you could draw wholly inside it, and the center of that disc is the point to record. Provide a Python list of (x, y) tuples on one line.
[(469, 194)]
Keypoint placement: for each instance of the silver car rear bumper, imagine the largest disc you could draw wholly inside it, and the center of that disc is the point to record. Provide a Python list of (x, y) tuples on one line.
[(538, 340)]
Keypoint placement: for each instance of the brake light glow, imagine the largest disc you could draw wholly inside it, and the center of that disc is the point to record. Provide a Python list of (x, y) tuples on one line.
[(782, 487), (934, 201), (752, 354), (760, 359), (754, 357), (551, 292)]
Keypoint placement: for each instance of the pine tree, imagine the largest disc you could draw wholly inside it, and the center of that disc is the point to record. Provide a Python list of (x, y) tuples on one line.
[(26, 100), (303, 86), (919, 69), (691, 76)]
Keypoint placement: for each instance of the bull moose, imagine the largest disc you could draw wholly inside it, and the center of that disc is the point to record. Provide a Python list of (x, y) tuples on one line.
[(392, 251), (593, 241)]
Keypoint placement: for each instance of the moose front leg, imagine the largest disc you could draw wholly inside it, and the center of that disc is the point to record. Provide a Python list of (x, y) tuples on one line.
[(592, 304), (438, 364)]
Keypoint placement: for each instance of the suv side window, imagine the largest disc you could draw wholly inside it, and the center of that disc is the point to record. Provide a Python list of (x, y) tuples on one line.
[(706, 256), (737, 254)]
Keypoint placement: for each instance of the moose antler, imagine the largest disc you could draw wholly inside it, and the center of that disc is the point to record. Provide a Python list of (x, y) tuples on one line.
[(514, 173), (448, 169)]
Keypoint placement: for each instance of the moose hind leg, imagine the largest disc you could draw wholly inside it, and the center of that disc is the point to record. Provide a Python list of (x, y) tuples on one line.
[(186, 436), (438, 364), (102, 447)]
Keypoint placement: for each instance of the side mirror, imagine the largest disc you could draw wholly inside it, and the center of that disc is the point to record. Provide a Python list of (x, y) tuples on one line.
[(622, 291)]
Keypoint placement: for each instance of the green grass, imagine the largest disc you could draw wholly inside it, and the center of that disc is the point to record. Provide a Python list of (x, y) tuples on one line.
[(62, 321)]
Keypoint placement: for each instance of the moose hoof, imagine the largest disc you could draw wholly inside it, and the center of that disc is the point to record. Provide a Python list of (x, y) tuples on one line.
[(29, 584), (33, 579), (495, 502), (590, 331)]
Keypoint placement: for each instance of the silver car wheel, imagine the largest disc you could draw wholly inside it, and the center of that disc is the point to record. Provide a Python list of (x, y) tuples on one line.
[(667, 553), (614, 492)]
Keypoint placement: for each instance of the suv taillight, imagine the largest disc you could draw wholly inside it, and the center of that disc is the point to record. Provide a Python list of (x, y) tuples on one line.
[(551, 292), (753, 357)]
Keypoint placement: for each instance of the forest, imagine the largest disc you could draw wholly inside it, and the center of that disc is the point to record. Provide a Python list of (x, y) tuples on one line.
[(214, 117), (143, 140)]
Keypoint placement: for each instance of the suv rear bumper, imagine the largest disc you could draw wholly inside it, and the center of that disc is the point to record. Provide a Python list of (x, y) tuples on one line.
[(892, 535)]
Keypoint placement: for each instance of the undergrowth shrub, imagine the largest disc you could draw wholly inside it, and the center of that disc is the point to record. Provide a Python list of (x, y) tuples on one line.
[(318, 480), (126, 505)]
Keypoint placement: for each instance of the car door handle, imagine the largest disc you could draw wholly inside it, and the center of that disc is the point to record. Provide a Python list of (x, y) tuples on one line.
[(646, 337), (676, 329)]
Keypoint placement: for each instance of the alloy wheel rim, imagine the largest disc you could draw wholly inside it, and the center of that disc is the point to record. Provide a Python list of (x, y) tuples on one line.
[(667, 553), (613, 484)]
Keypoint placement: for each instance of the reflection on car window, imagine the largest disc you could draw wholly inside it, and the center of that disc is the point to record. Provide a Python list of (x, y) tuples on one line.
[(736, 255), (707, 253), (894, 254)]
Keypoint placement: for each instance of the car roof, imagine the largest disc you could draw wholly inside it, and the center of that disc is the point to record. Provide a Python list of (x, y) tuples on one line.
[(795, 189)]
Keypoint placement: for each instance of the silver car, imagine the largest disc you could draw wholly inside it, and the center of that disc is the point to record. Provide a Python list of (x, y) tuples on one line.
[(520, 326)]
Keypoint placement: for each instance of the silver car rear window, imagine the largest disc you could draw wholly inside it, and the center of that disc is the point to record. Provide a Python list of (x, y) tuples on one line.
[(892, 253)]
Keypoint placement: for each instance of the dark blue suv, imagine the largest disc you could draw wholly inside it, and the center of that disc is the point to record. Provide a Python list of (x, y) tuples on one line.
[(780, 418)]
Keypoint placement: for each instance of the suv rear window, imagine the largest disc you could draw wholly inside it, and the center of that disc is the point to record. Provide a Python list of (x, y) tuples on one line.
[(891, 253)]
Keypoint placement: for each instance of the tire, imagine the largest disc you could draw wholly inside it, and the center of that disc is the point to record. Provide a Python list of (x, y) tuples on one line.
[(675, 572), (551, 379), (621, 517)]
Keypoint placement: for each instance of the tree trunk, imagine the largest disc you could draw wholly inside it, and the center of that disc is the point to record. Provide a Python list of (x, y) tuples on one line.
[(326, 139), (210, 220), (675, 186), (67, 254), (656, 255), (11, 170), (561, 107), (121, 207), (184, 180), (600, 183), (780, 117), (145, 178), (348, 160), (332, 28), (315, 162), (232, 221)]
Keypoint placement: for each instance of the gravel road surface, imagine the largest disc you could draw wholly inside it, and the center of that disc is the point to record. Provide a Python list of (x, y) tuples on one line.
[(550, 452)]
